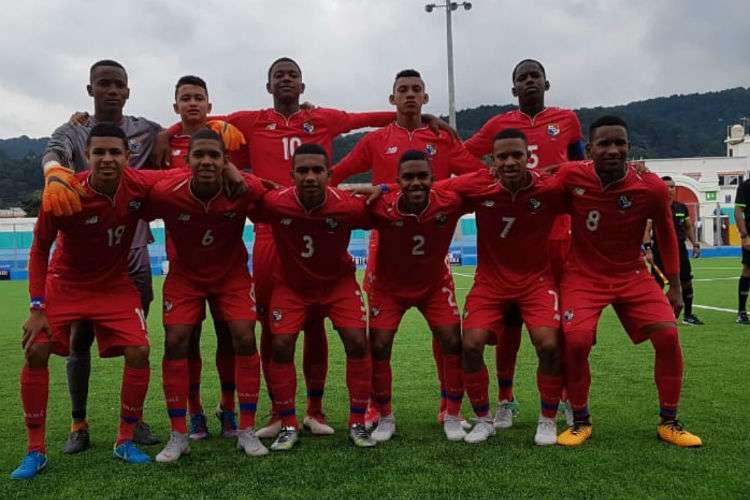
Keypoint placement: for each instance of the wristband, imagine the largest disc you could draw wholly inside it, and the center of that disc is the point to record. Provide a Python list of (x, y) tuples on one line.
[(50, 165), (384, 188), (37, 304)]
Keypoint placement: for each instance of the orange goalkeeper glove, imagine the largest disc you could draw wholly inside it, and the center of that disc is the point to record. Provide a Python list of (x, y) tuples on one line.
[(231, 135), (62, 191)]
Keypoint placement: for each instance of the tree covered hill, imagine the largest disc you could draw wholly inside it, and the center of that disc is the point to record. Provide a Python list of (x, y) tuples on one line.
[(664, 127)]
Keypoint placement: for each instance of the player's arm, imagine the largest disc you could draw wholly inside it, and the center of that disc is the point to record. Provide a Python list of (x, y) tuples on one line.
[(647, 245), (45, 232), (357, 161), (461, 161), (479, 145), (666, 238), (692, 237)]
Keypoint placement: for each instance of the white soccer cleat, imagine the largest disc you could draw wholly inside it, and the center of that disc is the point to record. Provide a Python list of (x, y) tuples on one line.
[(482, 430), (178, 445), (317, 425), (504, 414), (453, 428), (269, 431), (248, 442), (567, 410), (385, 429), (546, 431)]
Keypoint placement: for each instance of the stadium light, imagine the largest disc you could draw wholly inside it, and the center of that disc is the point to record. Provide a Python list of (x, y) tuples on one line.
[(449, 7)]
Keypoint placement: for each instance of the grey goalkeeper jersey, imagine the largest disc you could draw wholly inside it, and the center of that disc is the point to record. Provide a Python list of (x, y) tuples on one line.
[(69, 142)]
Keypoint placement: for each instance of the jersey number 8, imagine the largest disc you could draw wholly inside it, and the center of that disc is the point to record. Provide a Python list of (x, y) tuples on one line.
[(592, 220)]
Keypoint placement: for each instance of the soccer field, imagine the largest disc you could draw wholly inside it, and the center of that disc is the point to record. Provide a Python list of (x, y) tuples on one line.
[(623, 459)]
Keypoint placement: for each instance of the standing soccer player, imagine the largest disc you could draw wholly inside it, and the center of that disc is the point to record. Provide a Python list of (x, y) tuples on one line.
[(609, 204), (554, 136), (312, 224), (66, 152), (88, 280), (515, 213), (684, 228), (380, 151), (209, 264), (741, 215), (415, 228)]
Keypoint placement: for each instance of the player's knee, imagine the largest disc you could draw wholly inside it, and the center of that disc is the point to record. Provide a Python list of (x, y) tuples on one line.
[(356, 347), (177, 343), (578, 343), (37, 355), (663, 334), (137, 356), (282, 348)]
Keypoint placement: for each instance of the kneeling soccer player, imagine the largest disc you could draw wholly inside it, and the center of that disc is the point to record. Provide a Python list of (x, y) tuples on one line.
[(209, 263), (515, 213), (610, 203), (88, 280), (415, 227), (311, 225)]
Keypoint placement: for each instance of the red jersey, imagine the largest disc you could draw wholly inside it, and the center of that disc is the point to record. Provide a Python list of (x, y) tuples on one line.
[(380, 151), (179, 145), (410, 259), (91, 246), (609, 221), (313, 244), (512, 229), (206, 237)]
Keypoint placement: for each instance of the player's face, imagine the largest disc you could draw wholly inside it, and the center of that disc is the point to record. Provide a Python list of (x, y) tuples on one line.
[(415, 181), (109, 88), (191, 103), (409, 95), (310, 174), (510, 160), (609, 148), (530, 83), (206, 160), (106, 156), (672, 189), (286, 81)]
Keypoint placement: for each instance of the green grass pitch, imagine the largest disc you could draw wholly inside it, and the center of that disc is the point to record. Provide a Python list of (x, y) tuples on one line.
[(622, 460)]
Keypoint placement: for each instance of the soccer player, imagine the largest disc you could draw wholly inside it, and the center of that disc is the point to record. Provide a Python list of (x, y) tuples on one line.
[(380, 151), (415, 228), (554, 136), (66, 152), (208, 263), (311, 224), (515, 212), (88, 280), (609, 205), (684, 228), (741, 215)]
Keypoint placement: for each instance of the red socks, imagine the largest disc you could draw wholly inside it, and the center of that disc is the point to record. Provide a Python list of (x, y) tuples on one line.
[(437, 354), (454, 385), (315, 363), (667, 370), (550, 389), (283, 383), (194, 396), (477, 385), (132, 395), (506, 352), (225, 367), (247, 375), (34, 393), (174, 374), (359, 382), (382, 379)]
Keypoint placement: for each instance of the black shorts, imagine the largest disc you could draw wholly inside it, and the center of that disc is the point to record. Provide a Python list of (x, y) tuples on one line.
[(686, 270)]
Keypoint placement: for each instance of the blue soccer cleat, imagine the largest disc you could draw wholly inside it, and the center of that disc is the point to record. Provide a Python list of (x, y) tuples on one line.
[(129, 452), (32, 464)]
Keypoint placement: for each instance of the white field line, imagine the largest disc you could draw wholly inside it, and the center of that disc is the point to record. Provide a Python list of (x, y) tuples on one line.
[(712, 308)]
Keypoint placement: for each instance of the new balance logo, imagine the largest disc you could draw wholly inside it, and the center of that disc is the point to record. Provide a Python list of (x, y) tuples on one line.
[(391, 150), (91, 220), (183, 217)]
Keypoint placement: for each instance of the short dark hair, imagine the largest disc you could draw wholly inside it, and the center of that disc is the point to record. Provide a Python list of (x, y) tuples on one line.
[(280, 60), (667, 178), (109, 63), (107, 129), (206, 133), (607, 121), (515, 68), (413, 155), (190, 80), (310, 149), (510, 133), (407, 73)]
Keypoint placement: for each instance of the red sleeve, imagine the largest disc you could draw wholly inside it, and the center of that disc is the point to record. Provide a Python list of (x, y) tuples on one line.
[(356, 162), (480, 144), (241, 157), (149, 178), (461, 161), (359, 214), (342, 122), (45, 232), (255, 188), (472, 184), (666, 236)]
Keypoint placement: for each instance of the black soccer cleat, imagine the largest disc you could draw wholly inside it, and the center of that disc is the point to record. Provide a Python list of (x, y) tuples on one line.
[(742, 318), (691, 319), (142, 434), (77, 442)]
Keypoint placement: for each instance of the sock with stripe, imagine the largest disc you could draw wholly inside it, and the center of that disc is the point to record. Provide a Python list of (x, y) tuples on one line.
[(132, 395), (359, 383), (247, 375), (34, 395)]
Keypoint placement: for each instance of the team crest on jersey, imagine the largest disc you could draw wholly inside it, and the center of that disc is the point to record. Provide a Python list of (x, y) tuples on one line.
[(374, 312), (230, 215), (534, 204), (488, 203), (624, 202), (579, 191), (308, 127), (91, 220), (134, 146), (167, 306), (271, 126), (430, 149), (276, 315), (568, 315), (183, 217), (286, 221), (176, 152), (134, 205), (391, 150), (553, 129), (398, 223), (441, 219), (331, 223)]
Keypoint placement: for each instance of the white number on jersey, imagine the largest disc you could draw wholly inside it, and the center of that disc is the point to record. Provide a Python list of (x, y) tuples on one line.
[(556, 297), (418, 245), (592, 220), (309, 248), (208, 238), (289, 145), (508, 224), (533, 158), (141, 317), (451, 299), (114, 235)]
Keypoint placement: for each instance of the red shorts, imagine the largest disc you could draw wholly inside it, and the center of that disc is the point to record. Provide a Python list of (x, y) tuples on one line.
[(638, 302), (341, 302), (116, 313), (486, 308), (231, 299), (265, 265), (438, 306)]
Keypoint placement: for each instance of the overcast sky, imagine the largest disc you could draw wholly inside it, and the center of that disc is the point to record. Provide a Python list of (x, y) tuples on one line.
[(597, 52)]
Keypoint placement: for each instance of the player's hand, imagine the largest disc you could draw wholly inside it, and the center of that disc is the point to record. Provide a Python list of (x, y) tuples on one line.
[(62, 191), (640, 167), (648, 255), (161, 154), (696, 250), (234, 182), (37, 324), (436, 125), (268, 184), (79, 118), (307, 106), (371, 192), (674, 295), (746, 243), (231, 135)]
